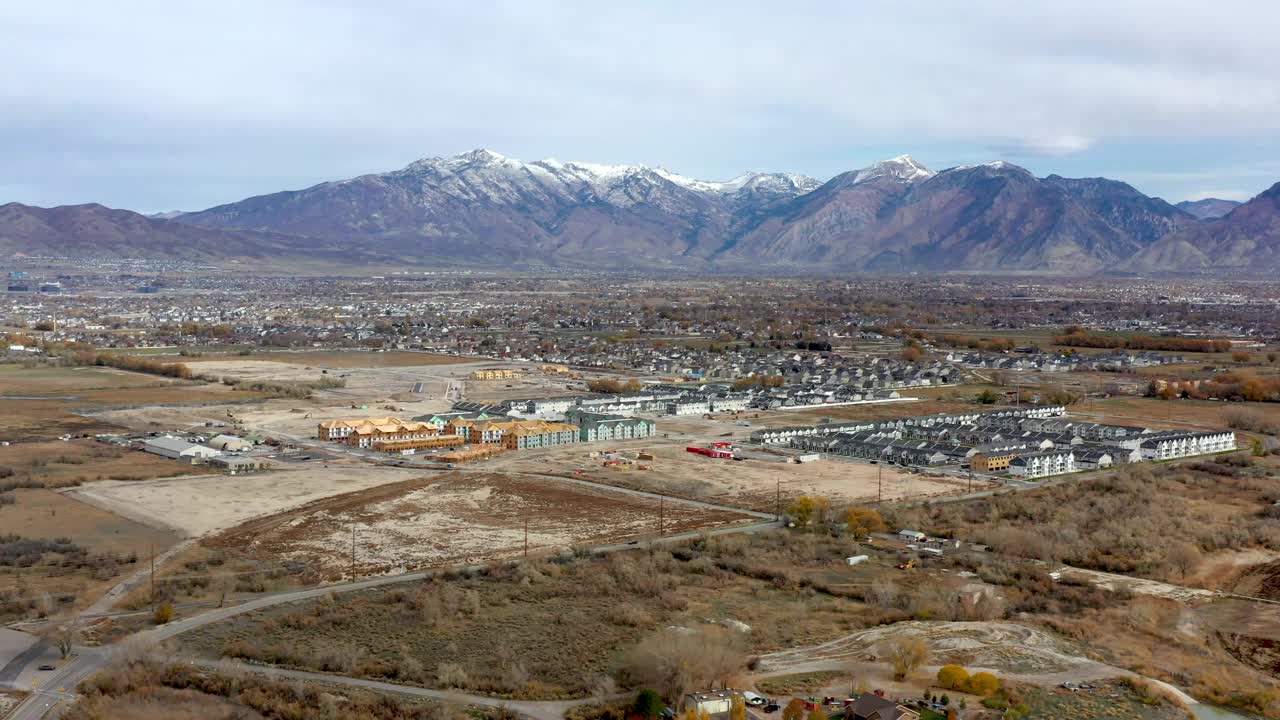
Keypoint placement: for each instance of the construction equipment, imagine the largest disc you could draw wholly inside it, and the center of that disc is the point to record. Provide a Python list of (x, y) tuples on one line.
[(907, 565)]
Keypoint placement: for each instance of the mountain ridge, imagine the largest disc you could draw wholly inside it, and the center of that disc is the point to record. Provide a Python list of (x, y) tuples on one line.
[(481, 208)]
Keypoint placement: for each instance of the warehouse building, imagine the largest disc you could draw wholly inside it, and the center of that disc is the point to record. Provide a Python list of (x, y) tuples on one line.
[(179, 449)]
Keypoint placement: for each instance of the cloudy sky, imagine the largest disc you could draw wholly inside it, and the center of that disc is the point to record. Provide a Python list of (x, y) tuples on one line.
[(161, 105)]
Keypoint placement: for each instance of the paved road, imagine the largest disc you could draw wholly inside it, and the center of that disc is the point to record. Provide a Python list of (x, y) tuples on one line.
[(91, 660)]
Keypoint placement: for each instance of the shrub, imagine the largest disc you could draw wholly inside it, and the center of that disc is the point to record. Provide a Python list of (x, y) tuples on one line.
[(163, 613), (982, 683), (953, 677)]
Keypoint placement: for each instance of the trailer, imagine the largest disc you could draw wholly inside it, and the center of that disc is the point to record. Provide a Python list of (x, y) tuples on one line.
[(710, 452)]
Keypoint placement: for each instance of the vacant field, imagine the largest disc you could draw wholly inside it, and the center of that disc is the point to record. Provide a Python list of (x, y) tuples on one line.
[(455, 519), (111, 545), (146, 687), (196, 505), (46, 380), (1136, 521), (360, 385), (754, 484), (1109, 700), (58, 463), (541, 630), (1177, 414), (873, 411), (47, 418), (1166, 640), (337, 358)]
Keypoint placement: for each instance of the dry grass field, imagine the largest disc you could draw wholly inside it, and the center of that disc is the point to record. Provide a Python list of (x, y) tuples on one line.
[(47, 514), (44, 380), (58, 463), (111, 546), (42, 403), (875, 411), (336, 358), (543, 629), (1176, 414), (452, 520)]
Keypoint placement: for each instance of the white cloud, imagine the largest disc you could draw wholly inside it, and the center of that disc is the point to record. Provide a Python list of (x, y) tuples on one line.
[(241, 94)]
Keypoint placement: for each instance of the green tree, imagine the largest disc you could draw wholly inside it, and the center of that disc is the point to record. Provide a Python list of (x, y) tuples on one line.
[(987, 397), (647, 704)]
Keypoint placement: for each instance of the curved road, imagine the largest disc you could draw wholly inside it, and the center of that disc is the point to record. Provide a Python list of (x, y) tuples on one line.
[(89, 661)]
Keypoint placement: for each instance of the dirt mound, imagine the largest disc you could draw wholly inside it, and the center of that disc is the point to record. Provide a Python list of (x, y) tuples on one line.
[(1005, 647), (1262, 581), (1251, 631)]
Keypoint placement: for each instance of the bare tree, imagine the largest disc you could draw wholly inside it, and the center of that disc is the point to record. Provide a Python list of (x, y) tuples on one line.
[(64, 637), (678, 661), (224, 587), (1185, 558), (906, 654)]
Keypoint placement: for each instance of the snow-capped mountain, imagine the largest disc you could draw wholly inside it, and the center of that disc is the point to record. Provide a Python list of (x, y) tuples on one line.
[(903, 168), (483, 208), (480, 203)]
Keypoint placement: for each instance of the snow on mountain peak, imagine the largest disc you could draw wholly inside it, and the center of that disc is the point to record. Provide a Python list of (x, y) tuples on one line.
[(485, 173), (902, 168)]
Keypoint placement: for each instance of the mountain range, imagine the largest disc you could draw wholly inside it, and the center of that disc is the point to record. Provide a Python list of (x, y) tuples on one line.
[(483, 209)]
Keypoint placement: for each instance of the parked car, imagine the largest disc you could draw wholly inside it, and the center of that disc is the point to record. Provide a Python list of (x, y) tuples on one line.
[(48, 667), (753, 699), (772, 707)]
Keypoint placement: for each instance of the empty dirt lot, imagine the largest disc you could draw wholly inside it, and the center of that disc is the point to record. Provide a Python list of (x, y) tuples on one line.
[(199, 504), (362, 384), (457, 518), (338, 358), (751, 484)]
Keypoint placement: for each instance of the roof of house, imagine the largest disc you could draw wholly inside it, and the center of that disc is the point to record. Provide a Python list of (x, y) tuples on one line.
[(874, 707)]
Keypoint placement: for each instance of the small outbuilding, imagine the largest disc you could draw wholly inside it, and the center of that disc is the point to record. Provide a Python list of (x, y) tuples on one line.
[(229, 443)]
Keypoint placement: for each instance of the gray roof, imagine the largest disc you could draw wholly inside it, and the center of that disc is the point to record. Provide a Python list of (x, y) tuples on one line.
[(172, 444)]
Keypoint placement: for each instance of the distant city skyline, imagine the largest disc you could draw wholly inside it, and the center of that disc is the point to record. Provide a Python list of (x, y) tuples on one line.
[(153, 106)]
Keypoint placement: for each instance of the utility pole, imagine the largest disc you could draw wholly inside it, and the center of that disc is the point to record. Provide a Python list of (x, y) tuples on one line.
[(879, 486), (778, 501), (153, 577), (662, 520), (526, 537), (353, 552)]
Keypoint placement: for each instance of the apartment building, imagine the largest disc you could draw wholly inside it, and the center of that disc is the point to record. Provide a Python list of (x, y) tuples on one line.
[(1043, 464)]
